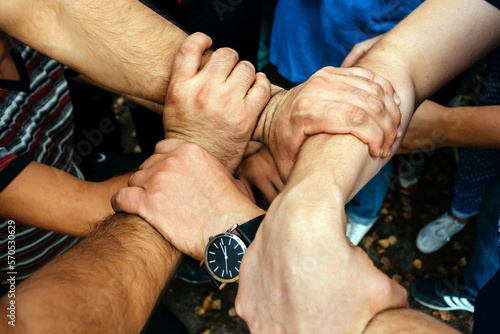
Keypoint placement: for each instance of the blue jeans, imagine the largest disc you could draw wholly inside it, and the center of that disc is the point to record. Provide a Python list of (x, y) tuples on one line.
[(365, 207), (484, 261)]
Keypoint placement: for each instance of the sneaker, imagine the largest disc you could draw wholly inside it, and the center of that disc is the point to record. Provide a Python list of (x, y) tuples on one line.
[(356, 231), (408, 174), (437, 233), (191, 272), (443, 294)]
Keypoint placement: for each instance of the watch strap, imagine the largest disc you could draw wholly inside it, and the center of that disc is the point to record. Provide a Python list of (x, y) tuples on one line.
[(249, 229), (216, 282)]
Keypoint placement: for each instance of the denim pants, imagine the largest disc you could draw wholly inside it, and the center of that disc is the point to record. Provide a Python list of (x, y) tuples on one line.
[(484, 261), (365, 207)]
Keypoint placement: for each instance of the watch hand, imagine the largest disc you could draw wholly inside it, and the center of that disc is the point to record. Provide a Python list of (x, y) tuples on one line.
[(225, 259)]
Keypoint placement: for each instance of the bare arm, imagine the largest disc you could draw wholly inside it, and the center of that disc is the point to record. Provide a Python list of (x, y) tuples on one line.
[(48, 198), (109, 283), (122, 45), (433, 126), (407, 321)]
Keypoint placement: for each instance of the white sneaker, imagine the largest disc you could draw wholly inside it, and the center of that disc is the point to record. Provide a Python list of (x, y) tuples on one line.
[(437, 233), (356, 231)]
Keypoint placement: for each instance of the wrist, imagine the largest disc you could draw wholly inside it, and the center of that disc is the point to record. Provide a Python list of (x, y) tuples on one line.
[(260, 133)]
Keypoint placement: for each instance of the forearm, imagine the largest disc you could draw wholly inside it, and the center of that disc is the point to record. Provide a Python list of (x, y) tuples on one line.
[(434, 44), (109, 283), (472, 127), (122, 45), (406, 321), (48, 198)]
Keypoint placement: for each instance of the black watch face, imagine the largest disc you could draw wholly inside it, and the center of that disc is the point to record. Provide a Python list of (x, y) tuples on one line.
[(223, 257)]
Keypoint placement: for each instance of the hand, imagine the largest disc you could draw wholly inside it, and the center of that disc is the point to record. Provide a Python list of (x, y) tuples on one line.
[(216, 107), (260, 170), (335, 101), (427, 129), (359, 51), (187, 195), (301, 275)]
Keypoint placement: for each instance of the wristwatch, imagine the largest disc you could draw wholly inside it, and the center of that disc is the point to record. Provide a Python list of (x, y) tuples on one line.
[(225, 251)]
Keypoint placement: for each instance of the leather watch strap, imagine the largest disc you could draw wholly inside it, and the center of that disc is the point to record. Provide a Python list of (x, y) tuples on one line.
[(248, 230)]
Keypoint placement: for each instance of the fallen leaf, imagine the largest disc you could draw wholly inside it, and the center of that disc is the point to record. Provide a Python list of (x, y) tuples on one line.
[(389, 218), (216, 305), (397, 278), (207, 305), (462, 262), (380, 250), (392, 240), (409, 277), (440, 269), (384, 211), (386, 263), (445, 315), (384, 243), (206, 331), (417, 264), (367, 241), (457, 245), (407, 215), (232, 312)]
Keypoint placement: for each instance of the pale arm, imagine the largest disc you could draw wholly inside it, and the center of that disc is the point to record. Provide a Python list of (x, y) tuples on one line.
[(48, 198), (433, 126), (109, 283), (407, 321)]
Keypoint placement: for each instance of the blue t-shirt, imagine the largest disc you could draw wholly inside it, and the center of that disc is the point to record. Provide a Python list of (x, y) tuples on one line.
[(310, 34)]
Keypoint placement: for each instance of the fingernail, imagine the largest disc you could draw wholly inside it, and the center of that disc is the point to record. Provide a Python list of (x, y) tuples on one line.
[(262, 74), (389, 153), (381, 152), (397, 99), (400, 131)]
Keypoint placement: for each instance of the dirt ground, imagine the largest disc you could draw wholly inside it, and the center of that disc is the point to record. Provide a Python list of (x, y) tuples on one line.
[(390, 244)]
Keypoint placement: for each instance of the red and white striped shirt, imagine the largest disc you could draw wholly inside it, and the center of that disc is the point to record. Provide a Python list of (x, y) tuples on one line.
[(36, 124)]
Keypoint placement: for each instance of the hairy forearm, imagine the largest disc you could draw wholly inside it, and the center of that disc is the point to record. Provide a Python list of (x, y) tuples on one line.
[(48, 198), (406, 321), (109, 283), (122, 44)]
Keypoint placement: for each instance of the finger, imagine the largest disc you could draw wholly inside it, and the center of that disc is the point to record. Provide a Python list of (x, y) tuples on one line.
[(276, 181), (393, 101), (377, 110), (168, 145), (268, 190), (188, 58), (128, 200), (220, 65), (248, 188), (241, 78), (341, 118), (140, 178), (259, 94), (355, 54)]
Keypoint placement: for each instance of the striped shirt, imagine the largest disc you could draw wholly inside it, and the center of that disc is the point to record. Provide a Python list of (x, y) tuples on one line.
[(36, 124)]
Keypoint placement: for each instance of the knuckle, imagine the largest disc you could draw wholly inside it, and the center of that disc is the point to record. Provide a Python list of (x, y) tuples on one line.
[(357, 116), (204, 96), (318, 80), (226, 54), (377, 107), (302, 106), (245, 71), (176, 93), (188, 47)]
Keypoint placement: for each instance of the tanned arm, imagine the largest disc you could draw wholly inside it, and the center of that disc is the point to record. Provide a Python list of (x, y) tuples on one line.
[(48, 198), (109, 283)]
